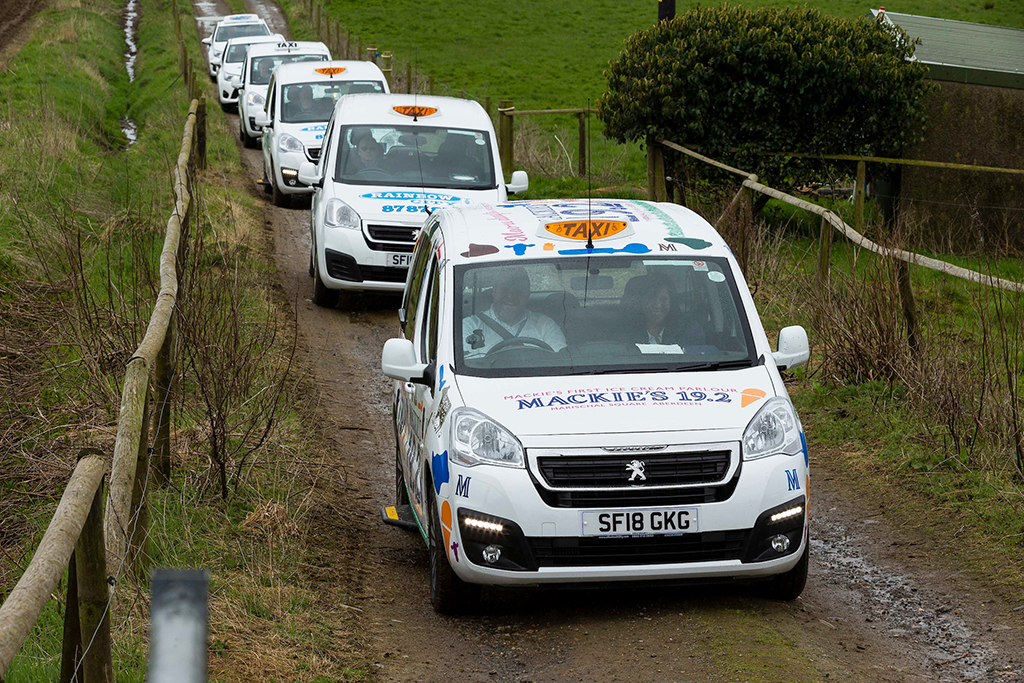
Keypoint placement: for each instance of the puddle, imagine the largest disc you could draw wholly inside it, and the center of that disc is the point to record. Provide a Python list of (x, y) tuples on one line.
[(896, 605), (131, 15)]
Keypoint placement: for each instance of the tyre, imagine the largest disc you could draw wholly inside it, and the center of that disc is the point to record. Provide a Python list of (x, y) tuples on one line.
[(790, 585), (448, 593), (266, 177), (312, 268), (248, 141), (280, 198), (322, 296)]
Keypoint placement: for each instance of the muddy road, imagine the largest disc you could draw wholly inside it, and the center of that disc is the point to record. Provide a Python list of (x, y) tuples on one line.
[(881, 603)]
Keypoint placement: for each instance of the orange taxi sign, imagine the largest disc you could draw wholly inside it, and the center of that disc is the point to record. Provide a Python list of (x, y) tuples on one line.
[(577, 230), (415, 111), (330, 70)]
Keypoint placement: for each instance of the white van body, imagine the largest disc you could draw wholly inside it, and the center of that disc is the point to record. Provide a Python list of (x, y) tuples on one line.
[(232, 59), (604, 451), (433, 152), (257, 70), (292, 135), (231, 26)]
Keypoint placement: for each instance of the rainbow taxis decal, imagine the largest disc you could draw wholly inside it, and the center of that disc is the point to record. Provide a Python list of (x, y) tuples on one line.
[(414, 112)]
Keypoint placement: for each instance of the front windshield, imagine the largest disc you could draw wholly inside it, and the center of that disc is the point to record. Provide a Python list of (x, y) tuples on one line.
[(305, 102), (260, 68), (226, 33), (415, 156), (598, 315), (236, 53)]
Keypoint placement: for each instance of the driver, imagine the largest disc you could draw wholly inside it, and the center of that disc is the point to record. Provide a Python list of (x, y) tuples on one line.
[(508, 318)]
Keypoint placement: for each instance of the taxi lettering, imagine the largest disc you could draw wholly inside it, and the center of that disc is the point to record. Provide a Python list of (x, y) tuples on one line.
[(578, 230)]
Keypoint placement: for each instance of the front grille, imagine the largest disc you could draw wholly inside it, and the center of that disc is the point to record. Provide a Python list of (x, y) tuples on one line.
[(392, 233), (384, 274), (612, 471), (313, 154), (637, 550), (638, 496)]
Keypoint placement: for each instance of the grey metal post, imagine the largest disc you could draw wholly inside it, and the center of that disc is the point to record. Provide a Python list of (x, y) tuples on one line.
[(177, 626)]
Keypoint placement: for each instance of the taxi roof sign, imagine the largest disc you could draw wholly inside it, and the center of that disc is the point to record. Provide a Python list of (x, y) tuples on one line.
[(415, 112), (581, 230), (244, 17), (330, 70)]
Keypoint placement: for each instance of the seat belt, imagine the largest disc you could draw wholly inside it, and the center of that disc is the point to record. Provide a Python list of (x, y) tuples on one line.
[(493, 324)]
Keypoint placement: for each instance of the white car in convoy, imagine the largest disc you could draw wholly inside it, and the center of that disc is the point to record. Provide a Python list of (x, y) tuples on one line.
[(572, 410), (387, 161), (228, 75), (258, 67), (300, 101), (231, 26)]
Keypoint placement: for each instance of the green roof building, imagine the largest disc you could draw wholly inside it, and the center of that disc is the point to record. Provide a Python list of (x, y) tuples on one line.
[(975, 117)]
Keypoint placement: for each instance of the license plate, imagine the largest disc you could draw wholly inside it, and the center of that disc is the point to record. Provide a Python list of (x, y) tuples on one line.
[(640, 522), (400, 260)]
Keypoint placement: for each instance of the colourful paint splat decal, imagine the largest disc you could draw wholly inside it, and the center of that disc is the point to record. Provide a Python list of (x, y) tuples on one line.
[(750, 396), (439, 470), (691, 242), (446, 522), (633, 248), (519, 249), (480, 250), (455, 550)]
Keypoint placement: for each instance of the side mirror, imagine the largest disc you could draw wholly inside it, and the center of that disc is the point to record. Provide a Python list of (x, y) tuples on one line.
[(308, 175), (793, 348), (263, 119), (208, 40), (520, 183), (398, 361)]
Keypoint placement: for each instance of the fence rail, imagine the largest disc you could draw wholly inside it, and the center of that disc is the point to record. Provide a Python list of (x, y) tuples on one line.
[(81, 537)]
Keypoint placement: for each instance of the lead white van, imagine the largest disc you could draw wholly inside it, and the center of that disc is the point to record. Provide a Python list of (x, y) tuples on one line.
[(300, 100), (231, 26), (387, 161), (592, 401)]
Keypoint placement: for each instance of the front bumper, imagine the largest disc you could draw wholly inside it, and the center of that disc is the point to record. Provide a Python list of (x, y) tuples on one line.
[(290, 183), (541, 544), (348, 262)]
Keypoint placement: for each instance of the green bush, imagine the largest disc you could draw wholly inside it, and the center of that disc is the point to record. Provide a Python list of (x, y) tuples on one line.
[(739, 83)]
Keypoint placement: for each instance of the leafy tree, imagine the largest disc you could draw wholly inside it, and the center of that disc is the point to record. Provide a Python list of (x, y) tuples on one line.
[(738, 83)]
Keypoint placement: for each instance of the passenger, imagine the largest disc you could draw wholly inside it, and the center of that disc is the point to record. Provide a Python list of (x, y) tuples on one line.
[(508, 318), (657, 319)]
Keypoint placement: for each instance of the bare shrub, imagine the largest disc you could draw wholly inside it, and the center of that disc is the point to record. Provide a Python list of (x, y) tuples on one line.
[(231, 340)]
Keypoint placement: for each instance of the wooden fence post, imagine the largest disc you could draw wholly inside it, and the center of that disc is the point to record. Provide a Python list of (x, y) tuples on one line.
[(746, 222), (359, 48), (71, 649), (316, 29), (348, 44), (431, 84), (93, 614), (582, 167), (656, 191), (909, 306), (371, 53), (824, 254), (201, 133), (488, 108), (506, 143), (386, 66), (858, 198)]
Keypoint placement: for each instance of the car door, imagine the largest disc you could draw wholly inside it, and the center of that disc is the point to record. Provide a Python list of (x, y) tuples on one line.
[(423, 398), (323, 166), (269, 132)]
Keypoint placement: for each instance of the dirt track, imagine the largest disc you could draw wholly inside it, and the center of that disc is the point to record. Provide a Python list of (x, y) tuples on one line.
[(881, 603), (12, 27)]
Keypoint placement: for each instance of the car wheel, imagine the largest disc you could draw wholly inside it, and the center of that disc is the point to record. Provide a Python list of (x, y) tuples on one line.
[(448, 593), (280, 198), (322, 296), (790, 585), (312, 270), (267, 189)]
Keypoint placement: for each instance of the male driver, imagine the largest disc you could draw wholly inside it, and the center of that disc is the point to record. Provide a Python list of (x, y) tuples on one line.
[(301, 106), (508, 318)]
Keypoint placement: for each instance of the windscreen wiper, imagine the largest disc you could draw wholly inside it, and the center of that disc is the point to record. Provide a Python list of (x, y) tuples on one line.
[(681, 367)]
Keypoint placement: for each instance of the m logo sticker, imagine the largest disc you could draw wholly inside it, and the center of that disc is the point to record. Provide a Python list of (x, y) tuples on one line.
[(462, 486), (791, 478)]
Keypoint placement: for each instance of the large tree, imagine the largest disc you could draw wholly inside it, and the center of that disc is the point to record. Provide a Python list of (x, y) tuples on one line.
[(739, 83)]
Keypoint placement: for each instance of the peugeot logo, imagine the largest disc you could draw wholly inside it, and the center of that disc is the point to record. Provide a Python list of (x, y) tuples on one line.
[(636, 469)]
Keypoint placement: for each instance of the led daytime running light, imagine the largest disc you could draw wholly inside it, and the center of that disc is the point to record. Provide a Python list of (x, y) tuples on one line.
[(481, 524), (786, 514)]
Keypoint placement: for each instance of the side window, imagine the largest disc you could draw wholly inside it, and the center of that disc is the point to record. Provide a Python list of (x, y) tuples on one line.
[(324, 159), (426, 318), (433, 306), (415, 286)]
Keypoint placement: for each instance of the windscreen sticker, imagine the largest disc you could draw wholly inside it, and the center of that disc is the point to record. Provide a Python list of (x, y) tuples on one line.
[(419, 198), (699, 266), (716, 276), (626, 396), (480, 250)]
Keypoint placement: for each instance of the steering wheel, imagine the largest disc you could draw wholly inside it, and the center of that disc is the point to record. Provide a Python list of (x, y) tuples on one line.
[(371, 170), (520, 341)]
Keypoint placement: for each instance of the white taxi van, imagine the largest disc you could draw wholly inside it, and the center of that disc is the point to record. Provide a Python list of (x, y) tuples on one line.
[(387, 161), (300, 100), (590, 401), (258, 67), (231, 26), (231, 66)]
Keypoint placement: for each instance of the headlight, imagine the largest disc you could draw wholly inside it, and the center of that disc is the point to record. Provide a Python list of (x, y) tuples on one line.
[(289, 143), (774, 430), (255, 99), (479, 440), (338, 214)]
